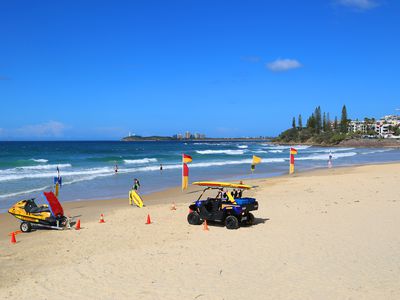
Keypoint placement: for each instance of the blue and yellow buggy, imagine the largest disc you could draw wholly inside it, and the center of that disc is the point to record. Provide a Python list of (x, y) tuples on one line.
[(228, 206)]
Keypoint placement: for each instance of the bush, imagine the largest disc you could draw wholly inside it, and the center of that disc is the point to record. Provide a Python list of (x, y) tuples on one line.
[(290, 135)]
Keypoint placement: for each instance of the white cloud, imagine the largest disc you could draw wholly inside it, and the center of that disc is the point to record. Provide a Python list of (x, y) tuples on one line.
[(359, 4), (281, 65), (49, 129)]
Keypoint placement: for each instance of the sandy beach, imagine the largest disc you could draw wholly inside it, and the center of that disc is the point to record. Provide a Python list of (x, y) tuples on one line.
[(325, 234)]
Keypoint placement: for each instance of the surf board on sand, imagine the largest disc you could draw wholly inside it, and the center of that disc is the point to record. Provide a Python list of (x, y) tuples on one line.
[(136, 198)]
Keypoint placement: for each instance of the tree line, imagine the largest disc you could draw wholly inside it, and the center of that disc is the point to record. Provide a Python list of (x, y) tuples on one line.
[(321, 122), (319, 128)]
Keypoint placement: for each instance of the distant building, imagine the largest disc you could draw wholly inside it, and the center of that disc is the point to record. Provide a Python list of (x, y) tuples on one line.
[(391, 120), (187, 135), (179, 136), (386, 125), (357, 126), (383, 129)]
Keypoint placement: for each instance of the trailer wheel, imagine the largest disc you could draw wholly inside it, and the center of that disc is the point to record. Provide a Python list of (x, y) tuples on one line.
[(231, 222), (26, 227), (63, 221)]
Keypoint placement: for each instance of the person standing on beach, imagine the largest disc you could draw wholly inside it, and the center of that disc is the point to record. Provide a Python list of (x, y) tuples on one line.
[(136, 185), (57, 182)]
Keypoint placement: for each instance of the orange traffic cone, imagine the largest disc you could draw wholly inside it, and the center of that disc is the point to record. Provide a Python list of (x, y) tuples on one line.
[(102, 219), (173, 207), (78, 225), (205, 227), (15, 232), (148, 219), (13, 240)]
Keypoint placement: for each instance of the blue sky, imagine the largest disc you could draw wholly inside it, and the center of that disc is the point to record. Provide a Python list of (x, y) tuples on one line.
[(99, 69)]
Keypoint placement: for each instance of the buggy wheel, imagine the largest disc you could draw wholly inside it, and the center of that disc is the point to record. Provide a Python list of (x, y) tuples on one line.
[(194, 218), (231, 222), (250, 219), (26, 227)]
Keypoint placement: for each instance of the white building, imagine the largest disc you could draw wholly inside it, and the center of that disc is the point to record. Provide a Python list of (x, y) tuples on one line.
[(383, 129), (391, 120), (358, 126)]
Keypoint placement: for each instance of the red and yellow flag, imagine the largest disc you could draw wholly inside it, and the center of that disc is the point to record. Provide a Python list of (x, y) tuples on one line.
[(186, 158), (185, 170), (292, 154)]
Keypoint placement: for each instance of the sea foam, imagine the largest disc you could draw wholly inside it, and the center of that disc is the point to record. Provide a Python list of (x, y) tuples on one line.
[(40, 160), (325, 156), (140, 161), (228, 152)]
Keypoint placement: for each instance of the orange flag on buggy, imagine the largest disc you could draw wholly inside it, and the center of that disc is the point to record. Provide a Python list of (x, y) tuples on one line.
[(185, 170)]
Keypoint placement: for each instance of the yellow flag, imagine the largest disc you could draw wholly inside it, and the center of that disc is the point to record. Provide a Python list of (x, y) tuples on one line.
[(256, 160)]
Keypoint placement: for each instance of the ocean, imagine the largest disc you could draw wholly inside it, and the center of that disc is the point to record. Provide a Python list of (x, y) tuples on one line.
[(87, 168)]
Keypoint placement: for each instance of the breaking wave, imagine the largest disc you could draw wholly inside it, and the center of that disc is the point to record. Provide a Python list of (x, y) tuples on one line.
[(140, 161), (40, 160), (45, 167), (24, 192), (33, 168), (228, 152), (325, 156)]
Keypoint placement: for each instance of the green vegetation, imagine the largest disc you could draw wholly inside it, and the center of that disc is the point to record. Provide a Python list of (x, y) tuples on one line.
[(319, 129)]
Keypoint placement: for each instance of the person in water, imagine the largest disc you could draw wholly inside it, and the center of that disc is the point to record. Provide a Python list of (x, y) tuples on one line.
[(161, 168), (116, 169), (330, 160)]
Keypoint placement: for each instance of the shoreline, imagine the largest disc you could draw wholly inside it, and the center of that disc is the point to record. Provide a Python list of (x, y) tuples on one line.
[(355, 143), (92, 208)]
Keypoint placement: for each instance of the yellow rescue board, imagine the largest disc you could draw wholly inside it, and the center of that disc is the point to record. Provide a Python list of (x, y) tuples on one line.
[(222, 184), (136, 198)]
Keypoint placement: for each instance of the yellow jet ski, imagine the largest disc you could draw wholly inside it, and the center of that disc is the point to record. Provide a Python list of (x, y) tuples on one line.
[(32, 216)]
